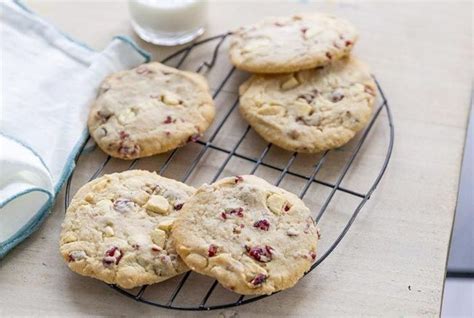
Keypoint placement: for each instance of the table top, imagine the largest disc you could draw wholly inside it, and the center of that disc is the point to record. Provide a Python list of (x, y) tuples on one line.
[(393, 259)]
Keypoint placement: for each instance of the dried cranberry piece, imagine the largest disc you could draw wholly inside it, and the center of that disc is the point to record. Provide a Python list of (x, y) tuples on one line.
[(112, 255), (194, 138), (313, 255), (76, 256), (369, 90), (259, 279), (304, 29), (168, 120), (239, 212), (286, 207), (123, 134), (309, 97), (103, 117), (259, 253), (212, 250), (128, 150), (123, 205), (336, 96), (238, 179), (143, 70), (262, 225), (178, 206), (348, 43)]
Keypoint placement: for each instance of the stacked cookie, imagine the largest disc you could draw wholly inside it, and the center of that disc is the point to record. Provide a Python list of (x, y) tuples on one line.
[(309, 94), (136, 228)]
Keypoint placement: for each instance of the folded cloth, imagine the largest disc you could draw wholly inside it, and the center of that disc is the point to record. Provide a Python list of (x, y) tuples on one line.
[(48, 81)]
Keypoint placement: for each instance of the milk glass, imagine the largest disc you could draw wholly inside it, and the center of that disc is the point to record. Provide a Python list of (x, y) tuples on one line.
[(168, 22)]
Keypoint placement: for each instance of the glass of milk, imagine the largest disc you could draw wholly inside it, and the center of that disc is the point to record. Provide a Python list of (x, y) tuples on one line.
[(168, 22)]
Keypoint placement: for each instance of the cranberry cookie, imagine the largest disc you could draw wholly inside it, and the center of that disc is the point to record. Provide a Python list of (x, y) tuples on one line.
[(289, 44), (254, 238), (149, 110), (313, 110), (117, 228)]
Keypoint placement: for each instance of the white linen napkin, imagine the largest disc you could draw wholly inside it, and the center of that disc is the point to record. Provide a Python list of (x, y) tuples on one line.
[(47, 83)]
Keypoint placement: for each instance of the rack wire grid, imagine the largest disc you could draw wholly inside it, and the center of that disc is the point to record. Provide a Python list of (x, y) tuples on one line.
[(198, 164)]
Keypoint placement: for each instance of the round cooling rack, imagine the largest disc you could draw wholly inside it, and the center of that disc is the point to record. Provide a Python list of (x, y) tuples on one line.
[(204, 293)]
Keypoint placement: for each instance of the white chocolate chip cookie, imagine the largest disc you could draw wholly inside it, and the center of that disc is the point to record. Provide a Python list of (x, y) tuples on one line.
[(313, 110), (289, 44), (150, 110), (254, 238), (117, 228)]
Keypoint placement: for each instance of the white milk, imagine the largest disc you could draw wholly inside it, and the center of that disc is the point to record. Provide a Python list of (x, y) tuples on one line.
[(168, 22)]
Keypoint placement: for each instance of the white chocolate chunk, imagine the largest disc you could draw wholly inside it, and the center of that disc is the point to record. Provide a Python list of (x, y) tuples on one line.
[(158, 237), (292, 232), (108, 231), (302, 108), (170, 99), (158, 204), (290, 83), (269, 110), (77, 255), (196, 261), (126, 116), (166, 225), (101, 185), (276, 203)]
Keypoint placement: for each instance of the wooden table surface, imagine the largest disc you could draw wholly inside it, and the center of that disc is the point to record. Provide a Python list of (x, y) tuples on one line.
[(393, 260)]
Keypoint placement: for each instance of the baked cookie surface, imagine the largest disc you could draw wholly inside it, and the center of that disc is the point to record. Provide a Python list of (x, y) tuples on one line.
[(289, 44), (117, 228), (313, 110), (149, 110), (254, 238)]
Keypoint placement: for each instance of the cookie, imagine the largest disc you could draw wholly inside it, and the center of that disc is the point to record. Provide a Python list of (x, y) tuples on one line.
[(117, 228), (254, 238), (289, 44), (150, 110), (313, 110)]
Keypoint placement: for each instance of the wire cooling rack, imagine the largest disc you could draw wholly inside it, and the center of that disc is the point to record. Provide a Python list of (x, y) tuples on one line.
[(171, 293)]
